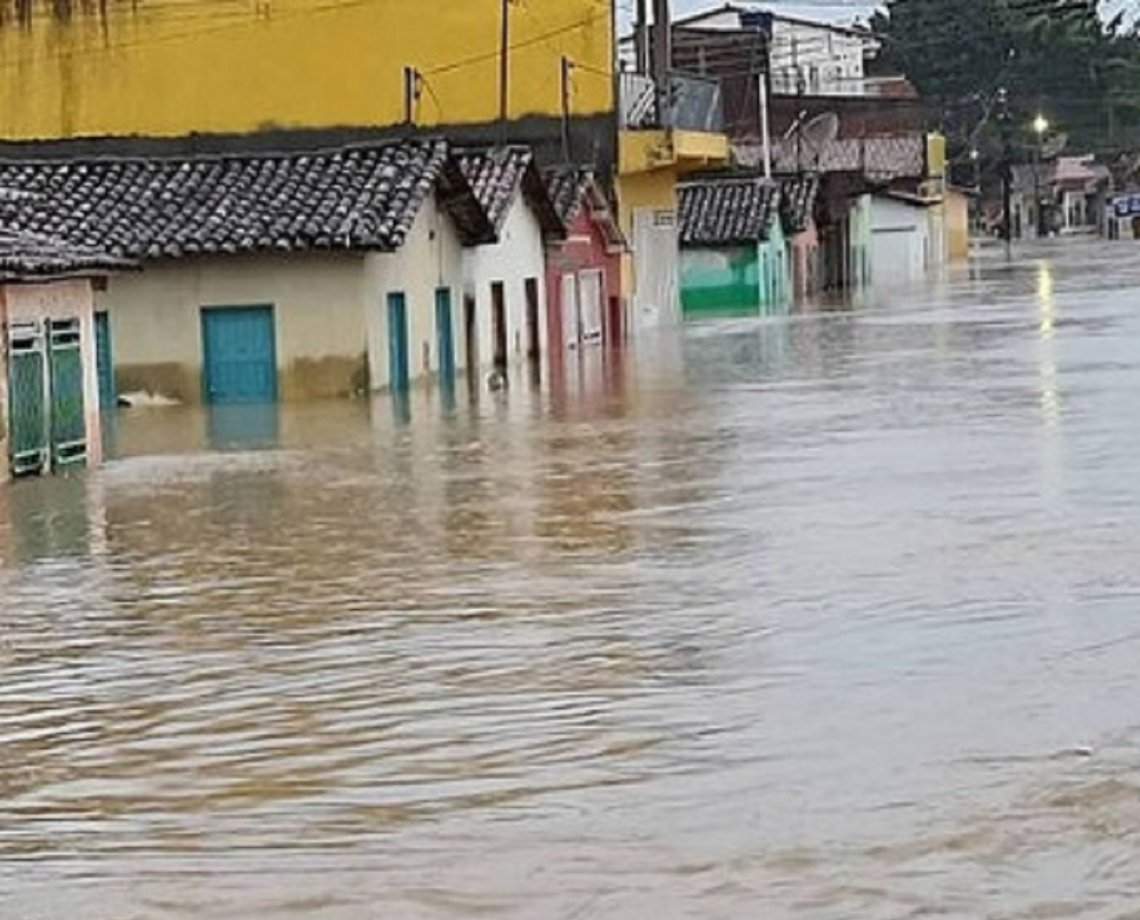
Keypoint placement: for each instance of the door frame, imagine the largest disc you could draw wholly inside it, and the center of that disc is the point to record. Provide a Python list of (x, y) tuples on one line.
[(500, 344)]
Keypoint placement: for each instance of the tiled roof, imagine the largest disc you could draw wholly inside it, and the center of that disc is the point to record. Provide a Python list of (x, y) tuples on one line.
[(26, 257), (726, 211), (362, 197), (497, 175), (797, 202), (566, 186)]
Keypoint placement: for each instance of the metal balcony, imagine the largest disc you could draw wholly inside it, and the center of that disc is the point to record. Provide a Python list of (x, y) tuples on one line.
[(686, 103)]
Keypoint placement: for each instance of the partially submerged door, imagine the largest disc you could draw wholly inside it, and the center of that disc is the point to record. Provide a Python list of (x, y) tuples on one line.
[(499, 323), (571, 322), (239, 355), (27, 398), (104, 362), (398, 364), (445, 333), (591, 290), (68, 410)]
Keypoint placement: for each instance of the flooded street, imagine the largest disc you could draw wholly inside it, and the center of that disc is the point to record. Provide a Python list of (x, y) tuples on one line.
[(829, 617)]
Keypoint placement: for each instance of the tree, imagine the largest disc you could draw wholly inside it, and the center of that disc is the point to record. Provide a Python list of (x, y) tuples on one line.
[(1059, 57)]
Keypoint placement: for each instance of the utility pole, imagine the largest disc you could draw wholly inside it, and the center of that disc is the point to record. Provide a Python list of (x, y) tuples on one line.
[(413, 82), (1006, 170), (641, 37), (662, 59), (762, 85), (567, 71), (504, 71)]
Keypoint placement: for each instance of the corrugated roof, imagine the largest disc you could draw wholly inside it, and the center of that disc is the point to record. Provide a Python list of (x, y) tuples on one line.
[(363, 197)]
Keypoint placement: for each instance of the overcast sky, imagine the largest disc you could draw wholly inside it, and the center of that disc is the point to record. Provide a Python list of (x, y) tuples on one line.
[(844, 11)]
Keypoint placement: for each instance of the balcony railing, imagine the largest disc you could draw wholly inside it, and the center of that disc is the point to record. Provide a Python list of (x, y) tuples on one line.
[(687, 103)]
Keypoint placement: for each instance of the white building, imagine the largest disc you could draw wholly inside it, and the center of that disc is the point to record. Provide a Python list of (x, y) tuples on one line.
[(504, 283), (807, 57), (907, 239)]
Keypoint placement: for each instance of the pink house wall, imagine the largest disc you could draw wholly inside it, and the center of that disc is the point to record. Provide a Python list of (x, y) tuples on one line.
[(804, 252), (584, 248)]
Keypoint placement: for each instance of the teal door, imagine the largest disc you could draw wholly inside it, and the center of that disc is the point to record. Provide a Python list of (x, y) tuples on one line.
[(104, 364), (239, 358), (68, 410), (27, 398), (445, 332), (398, 342)]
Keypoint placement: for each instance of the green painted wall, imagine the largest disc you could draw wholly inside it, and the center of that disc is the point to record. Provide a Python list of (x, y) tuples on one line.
[(735, 280)]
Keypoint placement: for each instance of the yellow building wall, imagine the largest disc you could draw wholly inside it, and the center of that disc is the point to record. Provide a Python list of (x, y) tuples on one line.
[(174, 67), (656, 190), (958, 225)]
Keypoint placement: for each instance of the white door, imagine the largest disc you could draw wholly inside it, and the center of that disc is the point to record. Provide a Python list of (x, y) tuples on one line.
[(591, 291), (893, 256), (656, 260), (571, 317)]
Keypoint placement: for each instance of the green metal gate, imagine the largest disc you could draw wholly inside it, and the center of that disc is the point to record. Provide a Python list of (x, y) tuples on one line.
[(27, 398), (48, 422)]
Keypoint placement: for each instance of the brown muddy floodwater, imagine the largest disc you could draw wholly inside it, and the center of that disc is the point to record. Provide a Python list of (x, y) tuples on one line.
[(831, 617)]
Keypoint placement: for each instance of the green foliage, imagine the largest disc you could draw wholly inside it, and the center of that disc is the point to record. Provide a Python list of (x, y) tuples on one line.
[(1057, 57)]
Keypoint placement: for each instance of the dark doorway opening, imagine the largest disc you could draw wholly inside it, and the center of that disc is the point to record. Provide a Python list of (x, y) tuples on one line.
[(499, 324)]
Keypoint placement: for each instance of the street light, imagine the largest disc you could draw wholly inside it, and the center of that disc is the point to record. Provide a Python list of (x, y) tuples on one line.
[(1040, 126)]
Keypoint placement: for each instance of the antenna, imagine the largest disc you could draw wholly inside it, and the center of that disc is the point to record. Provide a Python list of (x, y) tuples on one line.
[(820, 131)]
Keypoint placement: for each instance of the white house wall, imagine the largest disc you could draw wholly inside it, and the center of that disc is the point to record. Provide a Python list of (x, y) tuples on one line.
[(432, 257), (156, 329), (517, 256)]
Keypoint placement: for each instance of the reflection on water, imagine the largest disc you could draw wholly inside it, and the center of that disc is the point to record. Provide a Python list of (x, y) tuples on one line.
[(830, 616)]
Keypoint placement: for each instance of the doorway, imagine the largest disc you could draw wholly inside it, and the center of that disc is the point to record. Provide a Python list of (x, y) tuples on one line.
[(398, 364), (499, 324), (470, 339)]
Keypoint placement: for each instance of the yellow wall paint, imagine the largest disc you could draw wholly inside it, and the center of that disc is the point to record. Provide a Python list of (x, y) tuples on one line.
[(172, 67)]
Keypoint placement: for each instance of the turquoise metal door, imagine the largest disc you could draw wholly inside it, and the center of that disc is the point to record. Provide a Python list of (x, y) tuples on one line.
[(239, 358), (27, 398), (104, 363), (445, 332), (398, 343), (68, 407)]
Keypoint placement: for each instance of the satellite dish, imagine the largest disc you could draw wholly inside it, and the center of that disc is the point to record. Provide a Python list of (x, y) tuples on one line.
[(1053, 147), (820, 131)]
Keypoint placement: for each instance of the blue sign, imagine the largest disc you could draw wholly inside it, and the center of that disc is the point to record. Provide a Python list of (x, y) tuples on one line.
[(1126, 206), (757, 19)]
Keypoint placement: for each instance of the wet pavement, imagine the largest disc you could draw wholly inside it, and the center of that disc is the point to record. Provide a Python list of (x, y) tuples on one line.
[(835, 616)]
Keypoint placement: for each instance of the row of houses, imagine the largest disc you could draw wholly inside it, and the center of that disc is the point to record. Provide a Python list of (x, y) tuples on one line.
[(279, 236), (304, 275)]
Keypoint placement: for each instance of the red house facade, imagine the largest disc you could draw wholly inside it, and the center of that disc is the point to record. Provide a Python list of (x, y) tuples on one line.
[(583, 271)]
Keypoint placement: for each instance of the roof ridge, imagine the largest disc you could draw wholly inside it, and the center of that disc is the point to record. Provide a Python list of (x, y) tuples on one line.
[(219, 156)]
